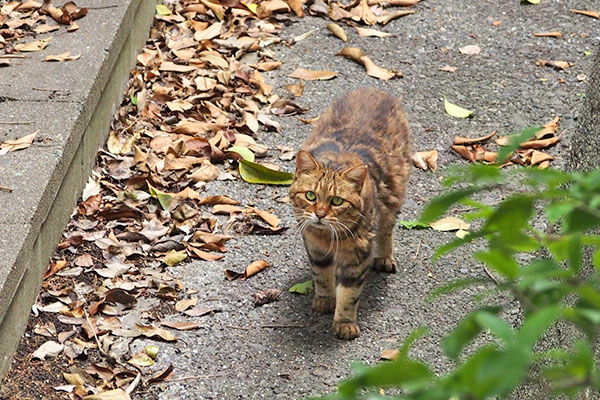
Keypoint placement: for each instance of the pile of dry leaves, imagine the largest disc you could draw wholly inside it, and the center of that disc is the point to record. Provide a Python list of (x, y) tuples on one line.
[(191, 115)]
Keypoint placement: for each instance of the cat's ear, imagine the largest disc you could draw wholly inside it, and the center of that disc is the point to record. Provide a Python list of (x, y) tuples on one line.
[(305, 163), (356, 175)]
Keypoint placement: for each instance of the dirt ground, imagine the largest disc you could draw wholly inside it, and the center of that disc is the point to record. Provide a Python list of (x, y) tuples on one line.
[(283, 351)]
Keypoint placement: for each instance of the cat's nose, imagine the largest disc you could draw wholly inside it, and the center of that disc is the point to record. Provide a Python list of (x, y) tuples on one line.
[(320, 213)]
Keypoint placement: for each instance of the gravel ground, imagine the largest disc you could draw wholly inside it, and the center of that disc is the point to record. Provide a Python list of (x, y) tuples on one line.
[(282, 350)]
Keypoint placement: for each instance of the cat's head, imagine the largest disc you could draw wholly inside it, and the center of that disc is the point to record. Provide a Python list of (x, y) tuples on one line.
[(327, 198)]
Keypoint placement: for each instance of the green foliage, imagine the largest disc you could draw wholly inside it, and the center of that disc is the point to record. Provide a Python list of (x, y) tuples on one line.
[(551, 286)]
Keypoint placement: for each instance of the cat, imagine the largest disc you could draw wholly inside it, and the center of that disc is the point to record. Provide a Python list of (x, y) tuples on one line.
[(349, 185)]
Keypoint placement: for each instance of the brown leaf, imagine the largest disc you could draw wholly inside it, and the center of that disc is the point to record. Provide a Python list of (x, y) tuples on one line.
[(549, 129), (84, 260), (181, 326), (17, 144), (211, 32), (387, 16), (154, 332), (200, 311), (36, 45), (204, 255), (561, 65), (401, 3), (538, 157), (250, 270), (217, 9), (212, 200), (54, 267), (540, 144), (162, 376), (338, 31), (448, 68), (588, 13), (269, 218), (389, 354), (184, 304), (267, 66), (310, 75), (62, 57), (371, 32), (296, 89), (426, 159), (362, 12), (297, 6), (554, 34), (464, 152), (497, 22), (356, 54), (226, 209), (459, 140), (267, 8)]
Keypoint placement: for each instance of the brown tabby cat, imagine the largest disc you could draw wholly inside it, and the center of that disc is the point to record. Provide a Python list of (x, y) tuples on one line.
[(349, 185)]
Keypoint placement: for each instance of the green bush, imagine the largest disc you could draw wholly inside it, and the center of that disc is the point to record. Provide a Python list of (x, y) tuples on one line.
[(551, 218)]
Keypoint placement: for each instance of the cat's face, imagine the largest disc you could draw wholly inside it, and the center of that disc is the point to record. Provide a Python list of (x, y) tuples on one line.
[(327, 199)]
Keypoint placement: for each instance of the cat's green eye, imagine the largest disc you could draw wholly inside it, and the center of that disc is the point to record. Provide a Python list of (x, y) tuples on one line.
[(336, 201), (311, 196)]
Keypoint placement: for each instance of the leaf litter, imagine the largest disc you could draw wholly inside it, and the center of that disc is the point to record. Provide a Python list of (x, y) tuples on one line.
[(190, 109)]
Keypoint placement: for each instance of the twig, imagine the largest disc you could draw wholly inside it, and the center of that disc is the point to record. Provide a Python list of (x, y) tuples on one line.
[(238, 327), (418, 249), (5, 189), (50, 90), (16, 122), (134, 383), (194, 377), (492, 277)]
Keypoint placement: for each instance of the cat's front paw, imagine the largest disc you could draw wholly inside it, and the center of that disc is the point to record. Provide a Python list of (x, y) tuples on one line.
[(346, 330), (384, 264), (323, 305)]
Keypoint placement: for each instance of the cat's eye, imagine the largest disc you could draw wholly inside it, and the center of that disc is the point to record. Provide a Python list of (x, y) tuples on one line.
[(336, 201), (311, 196)]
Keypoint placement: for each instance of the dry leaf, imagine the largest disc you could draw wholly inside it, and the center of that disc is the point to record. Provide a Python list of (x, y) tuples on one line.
[(250, 270), (49, 349), (296, 89), (401, 3), (449, 224), (470, 49), (387, 16), (183, 305), (337, 31), (554, 34), (497, 22), (36, 45), (181, 326), (371, 32), (448, 68), (464, 152), (266, 296), (209, 33), (17, 144), (269, 218), (465, 140), (426, 159), (310, 75), (389, 354), (554, 63), (588, 13), (356, 54), (62, 57)]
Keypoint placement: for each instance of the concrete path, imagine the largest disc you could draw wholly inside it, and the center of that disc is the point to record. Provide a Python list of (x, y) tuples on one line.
[(282, 350)]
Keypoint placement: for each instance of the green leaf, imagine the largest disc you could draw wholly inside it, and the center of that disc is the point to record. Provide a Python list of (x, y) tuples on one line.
[(255, 173), (557, 210), (245, 152), (494, 324), (164, 199), (456, 111), (453, 245), (464, 333), (515, 142), (410, 339), (440, 204), (173, 257), (133, 100), (414, 224), (501, 262), (151, 350), (580, 220), (536, 324), (161, 9), (510, 216), (302, 288)]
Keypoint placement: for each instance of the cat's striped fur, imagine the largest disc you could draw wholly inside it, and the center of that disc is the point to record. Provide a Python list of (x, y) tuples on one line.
[(359, 151)]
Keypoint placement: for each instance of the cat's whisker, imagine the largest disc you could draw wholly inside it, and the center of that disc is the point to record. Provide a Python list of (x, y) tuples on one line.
[(345, 227)]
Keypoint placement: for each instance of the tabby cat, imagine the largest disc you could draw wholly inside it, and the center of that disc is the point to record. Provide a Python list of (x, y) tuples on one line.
[(348, 187)]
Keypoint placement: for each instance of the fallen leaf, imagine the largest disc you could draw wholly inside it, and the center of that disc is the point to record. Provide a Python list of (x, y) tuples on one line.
[(471, 49), (338, 31), (267, 66), (356, 54), (251, 270), (268, 217), (173, 257), (266, 296), (561, 65), (200, 311), (448, 68), (152, 350), (456, 111), (164, 199), (54, 267), (161, 376), (390, 354), (152, 332), (209, 33), (36, 45), (268, 7), (296, 89), (588, 13), (554, 34), (465, 152), (161, 9), (387, 16), (212, 200), (181, 326), (18, 144), (367, 32), (49, 349), (459, 140), (84, 260), (217, 9), (413, 224), (426, 159), (256, 173), (302, 288), (183, 305), (141, 360), (62, 57), (449, 224), (310, 75), (117, 394), (497, 22)]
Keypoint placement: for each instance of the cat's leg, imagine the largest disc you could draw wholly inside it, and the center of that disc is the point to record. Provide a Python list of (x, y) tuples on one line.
[(323, 274), (384, 243), (350, 281)]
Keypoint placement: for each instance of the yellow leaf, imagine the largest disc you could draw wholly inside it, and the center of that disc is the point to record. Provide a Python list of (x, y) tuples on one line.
[(173, 257), (456, 111), (161, 9), (449, 224), (251, 6)]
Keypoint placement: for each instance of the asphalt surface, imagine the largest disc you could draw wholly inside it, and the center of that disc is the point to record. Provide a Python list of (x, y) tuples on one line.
[(282, 350)]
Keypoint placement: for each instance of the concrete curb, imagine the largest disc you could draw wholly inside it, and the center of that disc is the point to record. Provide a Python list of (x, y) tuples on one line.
[(47, 181)]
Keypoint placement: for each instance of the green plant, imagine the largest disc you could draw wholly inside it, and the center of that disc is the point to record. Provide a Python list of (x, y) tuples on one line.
[(553, 221)]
